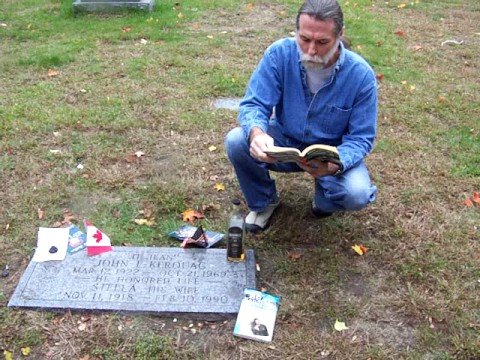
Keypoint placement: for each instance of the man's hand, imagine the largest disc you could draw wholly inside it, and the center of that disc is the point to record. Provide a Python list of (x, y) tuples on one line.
[(318, 168), (259, 142)]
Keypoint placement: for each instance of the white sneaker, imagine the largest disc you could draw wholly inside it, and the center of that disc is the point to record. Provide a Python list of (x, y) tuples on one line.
[(259, 221)]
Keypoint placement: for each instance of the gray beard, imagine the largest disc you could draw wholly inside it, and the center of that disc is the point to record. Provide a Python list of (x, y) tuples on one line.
[(318, 62)]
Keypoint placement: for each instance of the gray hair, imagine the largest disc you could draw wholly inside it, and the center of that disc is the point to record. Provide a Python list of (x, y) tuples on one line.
[(323, 10)]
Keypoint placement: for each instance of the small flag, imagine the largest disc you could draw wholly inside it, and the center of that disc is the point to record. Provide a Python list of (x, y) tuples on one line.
[(97, 241)]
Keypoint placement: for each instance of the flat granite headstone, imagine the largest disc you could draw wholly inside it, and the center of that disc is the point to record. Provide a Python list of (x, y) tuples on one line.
[(105, 5), (140, 279)]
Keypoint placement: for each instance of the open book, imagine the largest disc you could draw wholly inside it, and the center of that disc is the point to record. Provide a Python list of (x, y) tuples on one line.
[(315, 151)]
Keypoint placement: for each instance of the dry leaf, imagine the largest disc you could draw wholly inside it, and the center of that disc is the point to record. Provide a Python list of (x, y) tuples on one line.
[(53, 72), (210, 207), (41, 214), (469, 202), (379, 77), (417, 47), (359, 249), (8, 355), (68, 217), (476, 197), (191, 215), (126, 29), (212, 148), (401, 6), (219, 186), (441, 99), (148, 222), (340, 326), (249, 7), (25, 351), (294, 255), (130, 158), (400, 33)]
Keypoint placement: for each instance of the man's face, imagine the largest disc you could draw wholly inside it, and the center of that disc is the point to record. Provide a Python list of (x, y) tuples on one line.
[(317, 41)]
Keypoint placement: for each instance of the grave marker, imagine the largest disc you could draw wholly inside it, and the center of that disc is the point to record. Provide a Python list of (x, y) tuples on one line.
[(105, 5), (140, 279)]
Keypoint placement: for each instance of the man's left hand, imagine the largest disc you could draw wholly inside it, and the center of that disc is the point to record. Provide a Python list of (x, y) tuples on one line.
[(318, 168)]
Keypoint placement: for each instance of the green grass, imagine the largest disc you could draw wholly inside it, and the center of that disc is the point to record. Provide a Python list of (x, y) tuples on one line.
[(115, 95)]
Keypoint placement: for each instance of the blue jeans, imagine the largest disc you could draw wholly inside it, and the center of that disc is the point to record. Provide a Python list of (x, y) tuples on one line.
[(351, 190)]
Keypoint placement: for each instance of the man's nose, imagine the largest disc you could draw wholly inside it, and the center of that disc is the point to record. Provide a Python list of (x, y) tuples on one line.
[(312, 49)]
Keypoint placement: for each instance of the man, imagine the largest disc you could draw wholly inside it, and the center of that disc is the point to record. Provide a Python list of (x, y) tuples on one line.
[(321, 93)]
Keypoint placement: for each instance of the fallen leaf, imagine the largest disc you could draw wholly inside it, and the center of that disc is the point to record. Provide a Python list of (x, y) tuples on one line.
[(359, 249), (219, 186), (476, 197), (68, 216), (379, 77), (25, 351), (191, 215), (139, 153), (340, 326), (130, 158), (180, 16), (412, 87), (401, 6), (249, 7), (294, 255), (148, 222), (212, 148), (210, 207), (82, 327), (400, 33), (126, 29), (441, 99), (143, 41), (469, 202), (41, 214), (417, 47), (8, 355), (52, 72)]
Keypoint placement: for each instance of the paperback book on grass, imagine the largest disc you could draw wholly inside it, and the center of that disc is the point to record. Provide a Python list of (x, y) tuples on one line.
[(316, 151), (257, 315)]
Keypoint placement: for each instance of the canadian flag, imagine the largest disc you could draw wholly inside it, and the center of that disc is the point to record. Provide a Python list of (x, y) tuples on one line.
[(97, 241)]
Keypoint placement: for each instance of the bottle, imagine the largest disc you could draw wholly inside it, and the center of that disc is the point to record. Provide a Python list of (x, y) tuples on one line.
[(235, 236)]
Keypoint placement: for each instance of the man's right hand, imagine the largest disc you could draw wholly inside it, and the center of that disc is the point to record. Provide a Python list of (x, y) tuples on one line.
[(259, 142)]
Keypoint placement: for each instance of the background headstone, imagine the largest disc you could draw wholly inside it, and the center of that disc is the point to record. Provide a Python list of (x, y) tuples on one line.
[(105, 5), (140, 279)]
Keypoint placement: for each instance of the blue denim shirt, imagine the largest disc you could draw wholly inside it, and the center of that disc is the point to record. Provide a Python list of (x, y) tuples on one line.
[(343, 113)]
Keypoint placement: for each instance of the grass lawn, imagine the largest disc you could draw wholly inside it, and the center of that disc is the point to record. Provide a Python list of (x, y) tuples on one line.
[(94, 89)]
